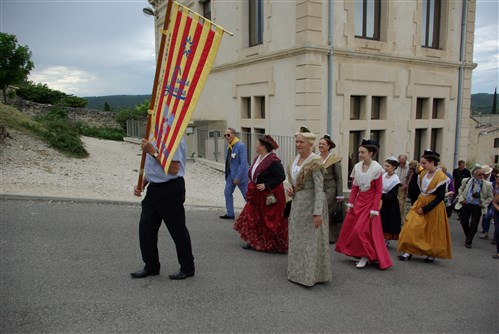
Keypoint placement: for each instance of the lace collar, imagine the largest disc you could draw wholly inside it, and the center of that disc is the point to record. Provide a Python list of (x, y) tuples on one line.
[(363, 180)]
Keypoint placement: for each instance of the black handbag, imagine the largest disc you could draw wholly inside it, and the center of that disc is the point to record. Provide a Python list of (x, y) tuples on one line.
[(338, 214), (287, 209)]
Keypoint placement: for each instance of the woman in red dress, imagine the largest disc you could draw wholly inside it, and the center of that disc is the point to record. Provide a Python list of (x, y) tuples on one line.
[(362, 235), (261, 222)]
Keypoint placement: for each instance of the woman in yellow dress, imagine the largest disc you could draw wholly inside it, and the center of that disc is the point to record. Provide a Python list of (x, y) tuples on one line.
[(426, 228)]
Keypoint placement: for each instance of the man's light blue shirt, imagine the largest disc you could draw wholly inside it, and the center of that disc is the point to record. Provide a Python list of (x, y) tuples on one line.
[(154, 171), (476, 187)]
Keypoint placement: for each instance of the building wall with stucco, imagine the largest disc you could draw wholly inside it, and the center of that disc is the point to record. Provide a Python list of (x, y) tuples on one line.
[(386, 89)]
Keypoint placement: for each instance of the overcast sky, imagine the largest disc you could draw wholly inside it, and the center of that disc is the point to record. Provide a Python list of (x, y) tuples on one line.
[(106, 47)]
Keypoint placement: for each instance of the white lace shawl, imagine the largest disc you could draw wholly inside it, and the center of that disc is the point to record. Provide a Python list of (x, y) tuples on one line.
[(389, 183), (363, 180)]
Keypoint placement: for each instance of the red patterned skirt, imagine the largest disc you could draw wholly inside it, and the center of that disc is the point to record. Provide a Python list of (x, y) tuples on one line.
[(264, 227)]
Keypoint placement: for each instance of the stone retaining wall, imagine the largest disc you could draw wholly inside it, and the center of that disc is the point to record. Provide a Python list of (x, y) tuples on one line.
[(92, 117)]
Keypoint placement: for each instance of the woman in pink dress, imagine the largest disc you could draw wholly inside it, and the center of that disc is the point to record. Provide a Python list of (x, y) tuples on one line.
[(362, 235)]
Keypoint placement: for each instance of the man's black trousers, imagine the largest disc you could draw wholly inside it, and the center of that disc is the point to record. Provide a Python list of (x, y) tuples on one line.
[(165, 202)]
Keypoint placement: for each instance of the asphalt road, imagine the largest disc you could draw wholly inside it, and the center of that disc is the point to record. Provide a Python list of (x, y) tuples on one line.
[(65, 269)]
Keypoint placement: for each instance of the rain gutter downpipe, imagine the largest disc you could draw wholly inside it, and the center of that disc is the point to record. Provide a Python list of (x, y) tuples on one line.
[(330, 71), (460, 83)]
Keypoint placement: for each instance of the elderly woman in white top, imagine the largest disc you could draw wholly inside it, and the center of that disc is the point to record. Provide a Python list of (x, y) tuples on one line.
[(308, 251)]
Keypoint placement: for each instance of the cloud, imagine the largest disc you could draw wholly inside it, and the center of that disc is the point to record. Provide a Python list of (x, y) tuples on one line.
[(110, 44), (85, 48), (486, 48), (65, 79)]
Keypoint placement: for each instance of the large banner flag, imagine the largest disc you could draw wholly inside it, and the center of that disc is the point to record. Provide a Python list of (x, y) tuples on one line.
[(191, 47)]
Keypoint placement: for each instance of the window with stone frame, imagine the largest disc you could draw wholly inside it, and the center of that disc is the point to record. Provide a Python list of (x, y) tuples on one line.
[(431, 20), (367, 19), (255, 22)]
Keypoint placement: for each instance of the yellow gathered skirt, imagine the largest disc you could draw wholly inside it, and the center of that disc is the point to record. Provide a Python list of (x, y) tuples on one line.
[(427, 234)]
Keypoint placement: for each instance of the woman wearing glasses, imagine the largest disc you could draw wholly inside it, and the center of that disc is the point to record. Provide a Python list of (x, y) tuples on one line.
[(426, 229)]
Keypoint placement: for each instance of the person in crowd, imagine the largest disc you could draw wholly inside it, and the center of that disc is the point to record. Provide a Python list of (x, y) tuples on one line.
[(473, 199), (362, 235), (308, 251), (460, 173), (164, 201), (495, 205), (426, 229), (487, 171), (261, 222), (413, 190), (486, 219), (390, 211), (402, 173), (236, 170), (333, 185), (495, 170), (449, 191)]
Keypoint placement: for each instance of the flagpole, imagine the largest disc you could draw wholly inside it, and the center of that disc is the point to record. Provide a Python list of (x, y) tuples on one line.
[(154, 89)]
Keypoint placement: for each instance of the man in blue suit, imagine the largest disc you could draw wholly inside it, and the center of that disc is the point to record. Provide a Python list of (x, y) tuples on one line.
[(236, 170)]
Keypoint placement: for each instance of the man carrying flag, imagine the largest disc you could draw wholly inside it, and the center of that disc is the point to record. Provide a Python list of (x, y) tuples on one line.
[(164, 200), (187, 51)]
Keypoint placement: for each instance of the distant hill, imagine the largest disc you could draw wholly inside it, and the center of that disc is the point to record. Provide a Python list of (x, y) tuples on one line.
[(116, 102), (481, 103)]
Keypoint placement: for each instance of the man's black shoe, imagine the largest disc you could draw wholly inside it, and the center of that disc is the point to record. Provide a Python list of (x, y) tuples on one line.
[(143, 273), (180, 275), (226, 217)]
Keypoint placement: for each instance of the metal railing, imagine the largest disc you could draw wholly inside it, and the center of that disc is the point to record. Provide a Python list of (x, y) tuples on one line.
[(210, 144), (136, 128)]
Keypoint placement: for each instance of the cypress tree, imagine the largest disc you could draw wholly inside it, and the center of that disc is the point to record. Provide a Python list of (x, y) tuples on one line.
[(494, 103)]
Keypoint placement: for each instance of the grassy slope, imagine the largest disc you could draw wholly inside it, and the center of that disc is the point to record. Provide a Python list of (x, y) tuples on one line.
[(12, 118)]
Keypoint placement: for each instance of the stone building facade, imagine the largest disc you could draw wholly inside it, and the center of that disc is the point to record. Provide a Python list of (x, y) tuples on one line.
[(483, 144), (398, 72)]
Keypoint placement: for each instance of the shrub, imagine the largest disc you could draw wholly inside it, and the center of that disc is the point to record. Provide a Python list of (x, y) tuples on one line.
[(102, 133), (64, 137), (139, 112), (74, 101), (40, 93)]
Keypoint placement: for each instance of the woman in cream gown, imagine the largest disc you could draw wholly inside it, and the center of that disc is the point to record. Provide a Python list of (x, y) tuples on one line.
[(308, 233)]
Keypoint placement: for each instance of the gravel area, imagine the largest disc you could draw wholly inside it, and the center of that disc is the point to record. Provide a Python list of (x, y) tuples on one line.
[(30, 167)]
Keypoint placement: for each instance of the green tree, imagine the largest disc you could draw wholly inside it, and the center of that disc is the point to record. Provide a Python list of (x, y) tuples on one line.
[(107, 107), (15, 62), (74, 101), (138, 112), (41, 93)]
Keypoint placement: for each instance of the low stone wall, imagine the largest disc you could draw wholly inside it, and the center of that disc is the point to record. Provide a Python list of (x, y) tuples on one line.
[(92, 117)]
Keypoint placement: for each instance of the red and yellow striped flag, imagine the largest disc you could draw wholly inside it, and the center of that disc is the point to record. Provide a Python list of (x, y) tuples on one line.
[(191, 47)]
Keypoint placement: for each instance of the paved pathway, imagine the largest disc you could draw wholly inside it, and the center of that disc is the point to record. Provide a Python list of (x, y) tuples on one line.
[(65, 268)]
